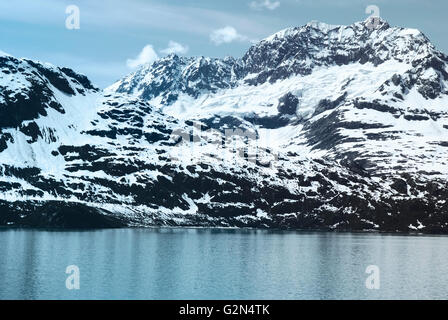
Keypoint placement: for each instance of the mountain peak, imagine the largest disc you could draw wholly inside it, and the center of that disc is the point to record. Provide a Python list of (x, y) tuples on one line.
[(321, 25), (299, 50), (292, 51), (374, 23), (173, 75), (368, 25)]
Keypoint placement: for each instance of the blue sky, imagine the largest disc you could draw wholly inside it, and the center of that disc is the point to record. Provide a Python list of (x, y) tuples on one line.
[(116, 35)]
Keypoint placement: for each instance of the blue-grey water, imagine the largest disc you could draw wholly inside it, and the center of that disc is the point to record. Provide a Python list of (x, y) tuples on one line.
[(220, 264)]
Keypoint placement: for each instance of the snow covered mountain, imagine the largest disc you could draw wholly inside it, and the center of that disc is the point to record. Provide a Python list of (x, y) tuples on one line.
[(316, 127)]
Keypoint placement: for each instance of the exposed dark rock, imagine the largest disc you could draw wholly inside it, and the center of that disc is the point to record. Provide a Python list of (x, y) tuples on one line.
[(288, 104), (57, 215), (32, 130)]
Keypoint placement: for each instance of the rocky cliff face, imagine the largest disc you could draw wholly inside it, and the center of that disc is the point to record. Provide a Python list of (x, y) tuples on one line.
[(316, 127)]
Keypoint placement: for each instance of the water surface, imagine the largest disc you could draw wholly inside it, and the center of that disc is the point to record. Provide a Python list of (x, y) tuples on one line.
[(220, 264)]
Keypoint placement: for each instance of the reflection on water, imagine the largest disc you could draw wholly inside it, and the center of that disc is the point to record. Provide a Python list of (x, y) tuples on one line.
[(220, 264)]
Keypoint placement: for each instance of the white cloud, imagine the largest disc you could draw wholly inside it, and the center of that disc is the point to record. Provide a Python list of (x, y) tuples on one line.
[(147, 55), (264, 4), (175, 47), (226, 35)]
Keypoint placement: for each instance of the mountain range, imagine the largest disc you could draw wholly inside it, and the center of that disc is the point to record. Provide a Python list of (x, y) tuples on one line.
[(319, 127)]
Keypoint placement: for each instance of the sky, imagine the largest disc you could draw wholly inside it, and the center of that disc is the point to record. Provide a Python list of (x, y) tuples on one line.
[(115, 36)]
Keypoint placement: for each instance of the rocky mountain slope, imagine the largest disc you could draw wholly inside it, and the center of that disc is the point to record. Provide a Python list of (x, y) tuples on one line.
[(316, 127)]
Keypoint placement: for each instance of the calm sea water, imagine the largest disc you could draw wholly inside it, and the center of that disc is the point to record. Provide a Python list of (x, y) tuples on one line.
[(220, 264)]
